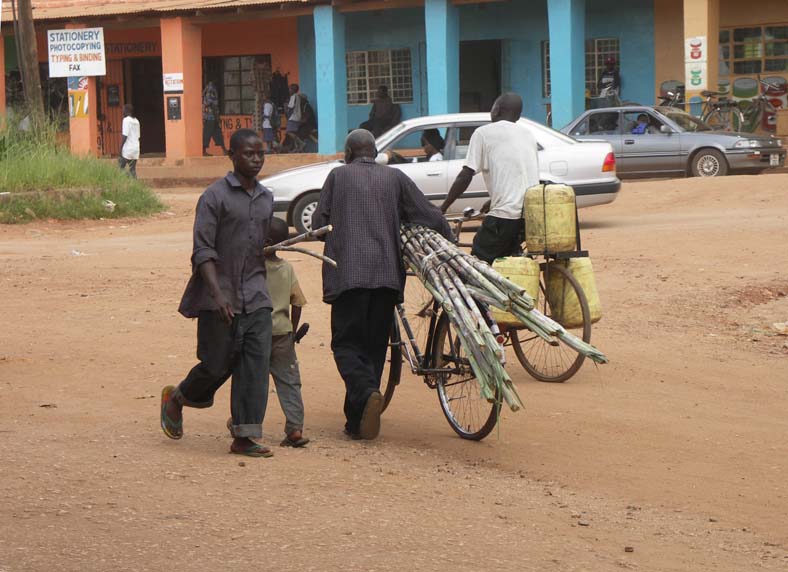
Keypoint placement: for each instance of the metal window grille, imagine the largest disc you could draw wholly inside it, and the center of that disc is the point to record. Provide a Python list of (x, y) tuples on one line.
[(366, 71), (754, 50), (597, 51)]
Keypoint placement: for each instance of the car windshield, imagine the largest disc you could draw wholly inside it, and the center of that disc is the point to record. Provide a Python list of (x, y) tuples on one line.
[(687, 122)]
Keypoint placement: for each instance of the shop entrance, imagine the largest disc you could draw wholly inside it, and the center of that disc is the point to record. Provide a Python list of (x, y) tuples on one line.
[(480, 74), (145, 91)]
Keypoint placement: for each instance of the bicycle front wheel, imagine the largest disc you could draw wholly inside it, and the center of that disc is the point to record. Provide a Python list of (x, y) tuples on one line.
[(392, 370), (469, 414), (718, 120), (553, 362)]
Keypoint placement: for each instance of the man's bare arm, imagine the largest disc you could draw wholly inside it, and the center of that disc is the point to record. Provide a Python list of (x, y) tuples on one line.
[(460, 185)]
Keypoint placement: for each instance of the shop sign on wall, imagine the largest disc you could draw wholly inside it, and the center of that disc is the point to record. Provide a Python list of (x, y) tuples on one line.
[(696, 63), (173, 83), (76, 53), (78, 102)]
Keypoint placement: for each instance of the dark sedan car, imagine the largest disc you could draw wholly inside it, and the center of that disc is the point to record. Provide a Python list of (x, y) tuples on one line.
[(659, 141)]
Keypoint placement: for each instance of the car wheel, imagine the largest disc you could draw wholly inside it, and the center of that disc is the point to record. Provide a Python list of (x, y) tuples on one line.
[(303, 210), (709, 163)]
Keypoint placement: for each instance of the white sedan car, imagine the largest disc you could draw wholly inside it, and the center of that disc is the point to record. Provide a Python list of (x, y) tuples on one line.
[(588, 166)]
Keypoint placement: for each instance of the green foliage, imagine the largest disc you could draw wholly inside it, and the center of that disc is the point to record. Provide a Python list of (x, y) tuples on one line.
[(44, 180)]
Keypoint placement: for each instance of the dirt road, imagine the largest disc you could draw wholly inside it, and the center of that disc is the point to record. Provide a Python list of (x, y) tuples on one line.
[(677, 449)]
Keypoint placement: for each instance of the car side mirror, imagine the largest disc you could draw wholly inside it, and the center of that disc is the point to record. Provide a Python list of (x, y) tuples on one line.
[(665, 129), (382, 159)]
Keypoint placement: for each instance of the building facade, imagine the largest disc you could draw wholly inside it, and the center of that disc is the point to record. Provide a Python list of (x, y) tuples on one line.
[(436, 56)]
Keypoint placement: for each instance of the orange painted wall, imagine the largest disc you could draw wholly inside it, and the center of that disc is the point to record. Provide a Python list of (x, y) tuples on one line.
[(278, 37), (737, 13), (182, 53)]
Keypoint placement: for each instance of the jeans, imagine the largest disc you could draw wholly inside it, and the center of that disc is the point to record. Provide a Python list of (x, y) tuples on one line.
[(240, 350), (360, 326), (132, 163)]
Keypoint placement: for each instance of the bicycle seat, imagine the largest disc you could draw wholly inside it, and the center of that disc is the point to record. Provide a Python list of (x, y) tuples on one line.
[(707, 93)]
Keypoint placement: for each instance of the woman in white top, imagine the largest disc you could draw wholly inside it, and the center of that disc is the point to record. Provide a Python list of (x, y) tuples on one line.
[(432, 143)]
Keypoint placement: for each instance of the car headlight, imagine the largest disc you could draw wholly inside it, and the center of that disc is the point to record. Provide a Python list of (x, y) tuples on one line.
[(747, 143)]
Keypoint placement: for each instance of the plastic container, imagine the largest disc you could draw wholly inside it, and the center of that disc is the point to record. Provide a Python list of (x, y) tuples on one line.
[(564, 304), (550, 219), (524, 272)]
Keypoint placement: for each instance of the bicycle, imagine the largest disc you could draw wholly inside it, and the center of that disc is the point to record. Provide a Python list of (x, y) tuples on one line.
[(443, 365), (721, 115), (753, 112), (550, 362), (434, 352)]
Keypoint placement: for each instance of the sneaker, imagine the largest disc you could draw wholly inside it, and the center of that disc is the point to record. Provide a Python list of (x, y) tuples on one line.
[(370, 419)]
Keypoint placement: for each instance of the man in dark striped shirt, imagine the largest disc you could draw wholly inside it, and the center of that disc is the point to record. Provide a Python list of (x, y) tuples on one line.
[(366, 203)]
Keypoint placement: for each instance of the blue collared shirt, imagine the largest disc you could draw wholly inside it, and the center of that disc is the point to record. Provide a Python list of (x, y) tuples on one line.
[(230, 228)]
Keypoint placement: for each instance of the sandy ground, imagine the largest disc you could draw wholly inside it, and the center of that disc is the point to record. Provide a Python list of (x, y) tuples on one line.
[(676, 450)]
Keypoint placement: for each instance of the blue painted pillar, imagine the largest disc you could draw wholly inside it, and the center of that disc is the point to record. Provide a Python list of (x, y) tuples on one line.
[(442, 23), (567, 20), (331, 75)]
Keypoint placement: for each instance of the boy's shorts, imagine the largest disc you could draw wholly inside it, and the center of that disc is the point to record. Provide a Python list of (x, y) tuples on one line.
[(293, 126), (268, 134)]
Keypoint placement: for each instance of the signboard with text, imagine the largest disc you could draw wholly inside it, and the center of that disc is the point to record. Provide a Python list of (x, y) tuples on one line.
[(76, 53), (173, 83)]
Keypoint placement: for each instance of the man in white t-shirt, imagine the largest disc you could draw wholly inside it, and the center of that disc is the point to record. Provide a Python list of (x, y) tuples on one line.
[(505, 152), (130, 143)]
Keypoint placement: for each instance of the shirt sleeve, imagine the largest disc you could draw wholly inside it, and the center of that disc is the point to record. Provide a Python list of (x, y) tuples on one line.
[(205, 224), (297, 297), (322, 216), (475, 158), (416, 209), (126, 127)]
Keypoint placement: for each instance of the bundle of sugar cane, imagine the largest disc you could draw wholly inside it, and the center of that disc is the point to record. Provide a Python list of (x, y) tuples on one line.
[(478, 342), (424, 248)]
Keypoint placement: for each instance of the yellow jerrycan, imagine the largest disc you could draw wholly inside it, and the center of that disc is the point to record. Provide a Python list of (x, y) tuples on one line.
[(550, 219), (564, 304), (524, 272)]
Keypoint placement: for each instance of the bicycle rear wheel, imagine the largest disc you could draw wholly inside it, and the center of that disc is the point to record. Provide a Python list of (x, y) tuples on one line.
[(469, 414), (392, 371), (553, 362)]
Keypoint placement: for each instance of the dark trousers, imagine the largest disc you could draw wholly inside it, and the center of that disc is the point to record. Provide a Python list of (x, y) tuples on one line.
[(242, 350), (360, 326), (132, 163), (212, 129), (498, 237)]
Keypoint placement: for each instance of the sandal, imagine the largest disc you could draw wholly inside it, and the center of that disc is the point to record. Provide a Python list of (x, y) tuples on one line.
[(296, 444), (173, 429), (253, 450)]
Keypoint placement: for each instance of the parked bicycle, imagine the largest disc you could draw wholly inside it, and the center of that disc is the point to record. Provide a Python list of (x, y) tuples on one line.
[(752, 113)]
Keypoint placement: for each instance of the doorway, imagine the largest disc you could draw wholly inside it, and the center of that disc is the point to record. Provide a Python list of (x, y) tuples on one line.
[(480, 74), (144, 89)]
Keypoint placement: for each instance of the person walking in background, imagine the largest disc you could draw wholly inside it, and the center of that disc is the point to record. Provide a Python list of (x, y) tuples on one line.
[(211, 124), (228, 295), (294, 119), (269, 120), (366, 202), (130, 141), (506, 154)]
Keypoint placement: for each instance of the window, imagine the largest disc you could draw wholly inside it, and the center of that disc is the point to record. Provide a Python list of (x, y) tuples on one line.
[(603, 123), (234, 78), (632, 121), (597, 51), (366, 71), (754, 50)]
